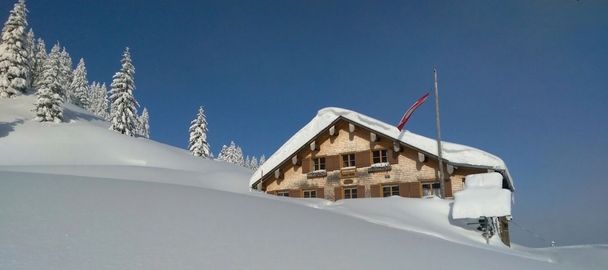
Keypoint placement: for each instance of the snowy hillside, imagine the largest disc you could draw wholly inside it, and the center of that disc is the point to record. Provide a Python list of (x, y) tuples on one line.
[(78, 196)]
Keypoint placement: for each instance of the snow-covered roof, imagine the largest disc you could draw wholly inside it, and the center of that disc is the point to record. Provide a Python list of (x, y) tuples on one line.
[(483, 195), (453, 153)]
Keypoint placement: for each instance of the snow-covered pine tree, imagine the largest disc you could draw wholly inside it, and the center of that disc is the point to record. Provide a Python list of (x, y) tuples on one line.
[(123, 104), (232, 154), (239, 156), (223, 153), (31, 52), (14, 55), (197, 144), (247, 162), (262, 160), (48, 106), (253, 164), (99, 100), (79, 88), (38, 63), (104, 109), (143, 124), (66, 74)]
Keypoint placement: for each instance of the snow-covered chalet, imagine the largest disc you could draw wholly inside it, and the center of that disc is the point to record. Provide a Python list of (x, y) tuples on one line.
[(342, 154)]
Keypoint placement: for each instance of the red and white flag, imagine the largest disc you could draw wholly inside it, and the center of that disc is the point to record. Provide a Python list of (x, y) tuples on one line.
[(411, 110)]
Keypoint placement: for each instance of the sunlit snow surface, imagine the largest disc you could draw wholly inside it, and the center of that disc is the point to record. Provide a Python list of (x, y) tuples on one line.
[(77, 196)]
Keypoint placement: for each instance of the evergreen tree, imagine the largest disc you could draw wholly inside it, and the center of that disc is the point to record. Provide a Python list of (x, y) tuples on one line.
[(79, 88), (99, 100), (223, 153), (143, 121), (254, 163), (123, 104), (38, 63), (48, 106), (247, 163), (14, 55), (239, 156), (262, 160), (197, 143), (104, 108), (31, 52), (232, 154), (66, 75)]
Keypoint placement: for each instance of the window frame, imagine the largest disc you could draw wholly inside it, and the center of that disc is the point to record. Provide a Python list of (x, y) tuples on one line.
[(346, 160), (381, 158), (321, 165), (434, 188), (310, 193), (352, 192), (283, 193), (391, 191)]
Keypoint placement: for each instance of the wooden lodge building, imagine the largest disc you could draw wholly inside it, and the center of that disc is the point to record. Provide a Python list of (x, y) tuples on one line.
[(342, 154)]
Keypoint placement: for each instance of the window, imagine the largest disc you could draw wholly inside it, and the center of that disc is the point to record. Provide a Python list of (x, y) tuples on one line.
[(348, 160), (283, 193), (379, 156), (430, 189), (319, 164), (390, 190), (310, 193), (350, 193)]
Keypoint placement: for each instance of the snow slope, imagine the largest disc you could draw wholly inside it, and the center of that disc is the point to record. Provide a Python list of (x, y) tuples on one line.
[(77, 196)]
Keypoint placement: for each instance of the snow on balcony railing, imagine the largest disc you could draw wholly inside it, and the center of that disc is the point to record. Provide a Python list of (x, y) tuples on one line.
[(379, 167), (317, 173)]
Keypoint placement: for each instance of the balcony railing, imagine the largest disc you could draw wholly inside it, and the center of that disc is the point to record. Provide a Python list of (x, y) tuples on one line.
[(379, 167), (317, 173)]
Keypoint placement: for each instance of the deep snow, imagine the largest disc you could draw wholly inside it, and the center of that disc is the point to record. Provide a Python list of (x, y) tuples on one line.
[(78, 196)]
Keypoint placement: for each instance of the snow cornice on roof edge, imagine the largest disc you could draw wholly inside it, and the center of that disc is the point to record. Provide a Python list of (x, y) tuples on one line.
[(454, 154)]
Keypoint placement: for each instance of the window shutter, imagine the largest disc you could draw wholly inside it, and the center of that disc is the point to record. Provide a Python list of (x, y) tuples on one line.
[(448, 188), (393, 157), (360, 191), (338, 193), (321, 193), (295, 193), (415, 189), (405, 190), (332, 163), (363, 159), (306, 165), (376, 191)]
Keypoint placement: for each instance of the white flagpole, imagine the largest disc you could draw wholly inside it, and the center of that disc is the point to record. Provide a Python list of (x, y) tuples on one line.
[(438, 127)]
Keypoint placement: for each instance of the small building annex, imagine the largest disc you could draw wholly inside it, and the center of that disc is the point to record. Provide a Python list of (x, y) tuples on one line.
[(342, 154)]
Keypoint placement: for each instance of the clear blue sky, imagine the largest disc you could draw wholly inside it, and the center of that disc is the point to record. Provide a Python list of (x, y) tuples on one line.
[(526, 80)]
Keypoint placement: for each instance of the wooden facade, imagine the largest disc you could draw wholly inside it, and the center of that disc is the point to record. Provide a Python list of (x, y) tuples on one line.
[(350, 161)]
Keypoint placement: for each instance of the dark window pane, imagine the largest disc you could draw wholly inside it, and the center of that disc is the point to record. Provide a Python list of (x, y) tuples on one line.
[(319, 164)]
